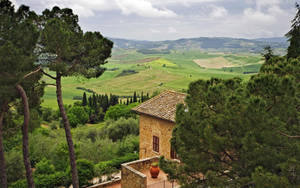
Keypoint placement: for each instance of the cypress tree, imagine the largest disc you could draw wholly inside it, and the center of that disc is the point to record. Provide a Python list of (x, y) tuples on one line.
[(142, 97), (84, 100), (90, 101), (134, 97)]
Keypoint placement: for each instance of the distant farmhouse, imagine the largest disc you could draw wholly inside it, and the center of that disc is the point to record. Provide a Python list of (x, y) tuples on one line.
[(157, 120)]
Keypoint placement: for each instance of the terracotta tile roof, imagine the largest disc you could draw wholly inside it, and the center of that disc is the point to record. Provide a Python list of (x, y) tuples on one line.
[(162, 106)]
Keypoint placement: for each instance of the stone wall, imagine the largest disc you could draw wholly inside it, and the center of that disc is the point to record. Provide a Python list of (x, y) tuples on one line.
[(149, 127), (131, 176), (106, 184)]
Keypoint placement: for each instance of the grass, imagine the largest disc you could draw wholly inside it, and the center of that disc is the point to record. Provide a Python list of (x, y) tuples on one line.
[(179, 71), (162, 63)]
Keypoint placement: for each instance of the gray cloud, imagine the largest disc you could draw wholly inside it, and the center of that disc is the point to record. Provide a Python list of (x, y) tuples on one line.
[(173, 19)]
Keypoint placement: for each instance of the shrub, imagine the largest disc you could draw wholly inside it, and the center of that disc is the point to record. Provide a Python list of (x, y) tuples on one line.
[(73, 120), (47, 114), (19, 184), (50, 180), (44, 167), (106, 167), (120, 110), (119, 129), (128, 145), (53, 125), (14, 165), (60, 157), (100, 150), (43, 181), (85, 170), (77, 115)]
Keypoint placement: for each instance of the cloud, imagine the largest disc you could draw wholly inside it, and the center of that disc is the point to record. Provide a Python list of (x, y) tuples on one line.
[(154, 31), (143, 8), (218, 12), (184, 2), (173, 19), (258, 16), (172, 30)]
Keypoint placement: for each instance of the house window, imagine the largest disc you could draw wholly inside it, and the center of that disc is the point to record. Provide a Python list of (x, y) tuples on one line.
[(173, 153), (155, 144)]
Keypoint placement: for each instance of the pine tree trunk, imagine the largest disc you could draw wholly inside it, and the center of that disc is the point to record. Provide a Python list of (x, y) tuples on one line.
[(27, 164), (75, 181), (2, 159)]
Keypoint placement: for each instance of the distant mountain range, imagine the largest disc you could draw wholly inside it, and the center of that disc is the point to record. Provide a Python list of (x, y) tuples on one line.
[(213, 44)]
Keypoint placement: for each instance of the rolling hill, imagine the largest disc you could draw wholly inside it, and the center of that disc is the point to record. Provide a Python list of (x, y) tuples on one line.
[(214, 44)]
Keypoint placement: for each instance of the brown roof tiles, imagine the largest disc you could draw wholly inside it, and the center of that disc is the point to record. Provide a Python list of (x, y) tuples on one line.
[(162, 106)]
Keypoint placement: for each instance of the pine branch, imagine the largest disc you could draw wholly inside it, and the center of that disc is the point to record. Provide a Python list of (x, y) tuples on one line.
[(48, 74), (49, 84), (289, 136), (33, 72)]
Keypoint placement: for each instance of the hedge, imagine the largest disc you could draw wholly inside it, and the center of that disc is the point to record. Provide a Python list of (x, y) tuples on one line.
[(107, 167)]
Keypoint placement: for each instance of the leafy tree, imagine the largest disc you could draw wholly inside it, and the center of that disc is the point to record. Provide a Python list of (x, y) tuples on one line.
[(120, 110), (231, 134), (294, 36), (79, 115), (117, 130), (76, 53)]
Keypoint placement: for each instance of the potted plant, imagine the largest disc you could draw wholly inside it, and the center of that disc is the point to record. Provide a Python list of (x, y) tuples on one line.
[(154, 170)]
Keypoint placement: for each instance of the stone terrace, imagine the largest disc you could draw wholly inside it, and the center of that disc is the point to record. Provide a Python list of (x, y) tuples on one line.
[(136, 175)]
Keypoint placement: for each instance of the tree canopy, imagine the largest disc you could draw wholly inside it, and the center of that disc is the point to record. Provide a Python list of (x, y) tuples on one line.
[(231, 133), (72, 53), (294, 36)]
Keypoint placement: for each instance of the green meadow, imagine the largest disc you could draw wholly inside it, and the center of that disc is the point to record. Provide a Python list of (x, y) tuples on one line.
[(153, 72)]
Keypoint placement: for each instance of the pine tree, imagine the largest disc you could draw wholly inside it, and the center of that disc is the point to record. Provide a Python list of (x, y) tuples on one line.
[(226, 126), (21, 75), (76, 52), (294, 36), (267, 53), (84, 100)]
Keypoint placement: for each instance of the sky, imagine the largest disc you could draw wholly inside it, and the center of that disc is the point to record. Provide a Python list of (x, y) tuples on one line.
[(173, 19)]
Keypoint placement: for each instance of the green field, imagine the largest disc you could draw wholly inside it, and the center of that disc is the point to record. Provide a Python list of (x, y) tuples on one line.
[(152, 72)]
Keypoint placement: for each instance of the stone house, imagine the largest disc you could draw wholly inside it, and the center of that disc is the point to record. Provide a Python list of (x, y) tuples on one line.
[(157, 120)]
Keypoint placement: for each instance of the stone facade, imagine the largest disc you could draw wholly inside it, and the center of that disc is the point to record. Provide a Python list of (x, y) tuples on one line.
[(152, 126)]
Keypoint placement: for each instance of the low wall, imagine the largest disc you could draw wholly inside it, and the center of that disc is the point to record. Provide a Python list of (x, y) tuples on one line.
[(131, 175), (106, 184)]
